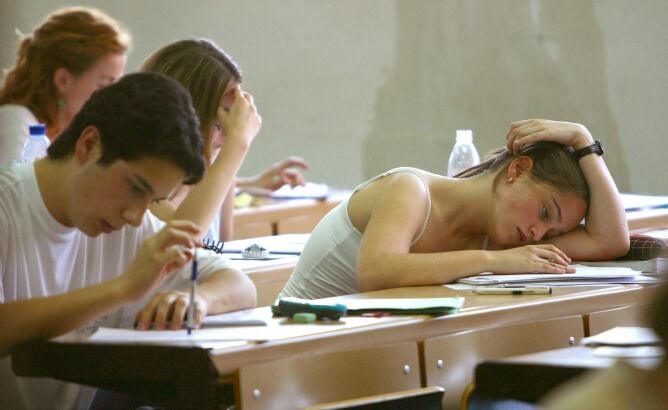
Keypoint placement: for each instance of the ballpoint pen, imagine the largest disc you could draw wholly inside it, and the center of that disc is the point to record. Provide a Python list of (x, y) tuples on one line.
[(513, 290), (190, 323)]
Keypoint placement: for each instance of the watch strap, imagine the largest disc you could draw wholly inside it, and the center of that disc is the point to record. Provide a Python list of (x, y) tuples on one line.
[(594, 148)]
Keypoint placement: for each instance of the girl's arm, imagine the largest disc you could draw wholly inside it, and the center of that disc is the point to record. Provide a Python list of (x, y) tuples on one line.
[(384, 260), (605, 234), (205, 199)]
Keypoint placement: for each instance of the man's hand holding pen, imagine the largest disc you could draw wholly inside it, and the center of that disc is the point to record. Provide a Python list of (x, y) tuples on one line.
[(160, 256)]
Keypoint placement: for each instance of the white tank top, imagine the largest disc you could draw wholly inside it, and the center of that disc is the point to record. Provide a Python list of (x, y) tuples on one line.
[(328, 264)]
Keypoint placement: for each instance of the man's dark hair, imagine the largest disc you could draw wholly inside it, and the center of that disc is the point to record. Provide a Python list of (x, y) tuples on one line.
[(141, 115)]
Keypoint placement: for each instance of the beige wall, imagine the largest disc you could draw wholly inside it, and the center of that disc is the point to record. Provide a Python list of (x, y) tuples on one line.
[(357, 87)]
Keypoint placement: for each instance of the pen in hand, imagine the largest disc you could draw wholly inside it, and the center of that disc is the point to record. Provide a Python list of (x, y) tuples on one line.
[(193, 286)]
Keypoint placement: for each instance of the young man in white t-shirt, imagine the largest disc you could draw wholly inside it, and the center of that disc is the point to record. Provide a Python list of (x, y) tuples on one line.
[(79, 247)]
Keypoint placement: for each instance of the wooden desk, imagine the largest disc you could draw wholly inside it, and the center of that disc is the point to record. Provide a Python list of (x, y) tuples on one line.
[(647, 220), (537, 323), (529, 377), (598, 322), (284, 216), (210, 369), (645, 212)]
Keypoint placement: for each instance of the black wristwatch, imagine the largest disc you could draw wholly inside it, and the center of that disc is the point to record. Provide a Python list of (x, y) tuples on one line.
[(594, 148)]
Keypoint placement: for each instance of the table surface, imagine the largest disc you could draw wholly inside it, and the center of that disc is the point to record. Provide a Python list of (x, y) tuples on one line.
[(276, 209), (478, 312)]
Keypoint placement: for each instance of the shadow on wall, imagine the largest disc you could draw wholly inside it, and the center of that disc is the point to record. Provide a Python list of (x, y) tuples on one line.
[(482, 65)]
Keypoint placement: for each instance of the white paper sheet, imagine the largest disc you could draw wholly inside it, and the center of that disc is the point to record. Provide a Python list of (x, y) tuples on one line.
[(624, 336), (291, 244), (582, 274), (636, 352), (276, 329), (309, 190)]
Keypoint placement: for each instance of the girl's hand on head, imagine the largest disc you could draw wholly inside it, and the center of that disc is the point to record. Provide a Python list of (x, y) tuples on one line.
[(532, 258), (526, 132), (242, 122)]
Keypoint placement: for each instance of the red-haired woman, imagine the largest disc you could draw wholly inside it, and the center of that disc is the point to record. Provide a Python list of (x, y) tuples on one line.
[(72, 53)]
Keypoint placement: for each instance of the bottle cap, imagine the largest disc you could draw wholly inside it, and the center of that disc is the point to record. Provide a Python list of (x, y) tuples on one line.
[(464, 136), (37, 129)]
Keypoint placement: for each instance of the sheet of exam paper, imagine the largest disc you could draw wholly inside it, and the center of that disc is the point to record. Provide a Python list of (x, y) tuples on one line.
[(282, 328), (582, 274)]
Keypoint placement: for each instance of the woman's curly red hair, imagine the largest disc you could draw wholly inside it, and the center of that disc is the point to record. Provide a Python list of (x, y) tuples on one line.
[(74, 38)]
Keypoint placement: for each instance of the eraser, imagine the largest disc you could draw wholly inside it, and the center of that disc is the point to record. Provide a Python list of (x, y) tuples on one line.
[(304, 317)]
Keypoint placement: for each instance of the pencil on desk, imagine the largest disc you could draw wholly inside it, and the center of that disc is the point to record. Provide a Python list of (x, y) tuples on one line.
[(193, 286)]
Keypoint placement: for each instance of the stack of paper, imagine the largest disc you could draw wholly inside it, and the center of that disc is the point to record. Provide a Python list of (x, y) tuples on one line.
[(310, 190), (225, 336), (238, 318), (650, 266), (627, 343), (624, 336), (582, 275)]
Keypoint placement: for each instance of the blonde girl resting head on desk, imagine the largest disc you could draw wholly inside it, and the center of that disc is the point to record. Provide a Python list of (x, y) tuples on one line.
[(72, 53), (229, 122), (518, 211)]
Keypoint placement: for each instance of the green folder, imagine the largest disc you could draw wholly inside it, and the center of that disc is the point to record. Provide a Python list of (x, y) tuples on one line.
[(404, 306)]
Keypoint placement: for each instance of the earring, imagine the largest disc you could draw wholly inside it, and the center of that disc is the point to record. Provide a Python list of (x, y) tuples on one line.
[(61, 103), (509, 180)]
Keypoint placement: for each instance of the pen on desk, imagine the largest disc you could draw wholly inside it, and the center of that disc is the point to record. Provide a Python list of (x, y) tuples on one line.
[(513, 290), (193, 287)]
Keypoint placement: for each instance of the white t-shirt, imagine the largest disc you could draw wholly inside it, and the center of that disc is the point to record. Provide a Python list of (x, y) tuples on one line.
[(213, 234), (15, 121), (41, 257)]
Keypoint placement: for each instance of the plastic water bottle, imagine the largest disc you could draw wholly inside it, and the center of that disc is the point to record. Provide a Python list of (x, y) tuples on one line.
[(463, 155), (36, 144)]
